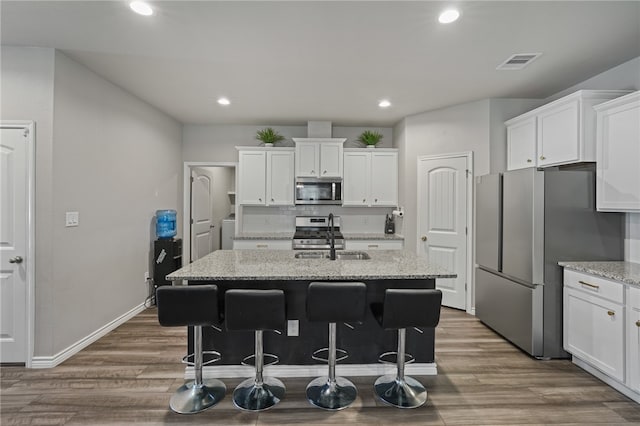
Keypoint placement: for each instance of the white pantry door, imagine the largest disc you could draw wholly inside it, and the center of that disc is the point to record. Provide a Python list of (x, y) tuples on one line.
[(201, 213), (442, 222), (13, 244)]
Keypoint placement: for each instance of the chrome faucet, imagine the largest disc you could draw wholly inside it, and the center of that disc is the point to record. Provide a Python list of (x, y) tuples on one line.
[(331, 237)]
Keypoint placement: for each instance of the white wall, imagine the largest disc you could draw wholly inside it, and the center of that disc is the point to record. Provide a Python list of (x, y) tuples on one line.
[(217, 142), (625, 76), (116, 160), (109, 156), (455, 129)]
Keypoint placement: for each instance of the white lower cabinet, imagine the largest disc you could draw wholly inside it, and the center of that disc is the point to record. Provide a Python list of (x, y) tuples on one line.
[(262, 245), (374, 244), (633, 340), (601, 328)]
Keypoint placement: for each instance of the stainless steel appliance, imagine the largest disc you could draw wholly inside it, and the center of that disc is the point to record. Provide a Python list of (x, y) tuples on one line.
[(318, 191), (312, 233), (527, 220)]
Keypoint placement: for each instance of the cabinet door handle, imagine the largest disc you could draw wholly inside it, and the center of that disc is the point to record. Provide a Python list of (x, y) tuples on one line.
[(324, 173), (611, 313), (376, 200), (528, 160), (260, 199), (638, 323), (364, 200), (542, 157), (424, 238), (589, 285), (272, 200), (313, 172)]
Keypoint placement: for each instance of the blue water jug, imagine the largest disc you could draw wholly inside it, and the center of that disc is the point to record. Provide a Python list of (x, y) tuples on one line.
[(165, 223)]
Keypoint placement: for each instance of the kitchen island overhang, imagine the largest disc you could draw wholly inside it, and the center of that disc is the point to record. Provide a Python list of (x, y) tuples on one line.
[(280, 269)]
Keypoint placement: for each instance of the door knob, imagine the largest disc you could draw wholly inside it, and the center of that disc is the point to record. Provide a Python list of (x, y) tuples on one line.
[(17, 259), (424, 238), (638, 323), (212, 226)]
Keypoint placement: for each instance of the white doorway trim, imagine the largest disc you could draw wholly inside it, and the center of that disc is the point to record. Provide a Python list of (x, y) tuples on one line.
[(469, 219), (29, 127), (186, 201)]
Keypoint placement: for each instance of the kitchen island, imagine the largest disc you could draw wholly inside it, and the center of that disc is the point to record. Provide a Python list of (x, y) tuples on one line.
[(280, 269)]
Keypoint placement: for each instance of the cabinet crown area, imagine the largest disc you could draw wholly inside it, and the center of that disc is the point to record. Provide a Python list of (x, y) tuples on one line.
[(557, 133)]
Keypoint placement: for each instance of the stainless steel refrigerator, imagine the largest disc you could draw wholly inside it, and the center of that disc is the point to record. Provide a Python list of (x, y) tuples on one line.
[(526, 221)]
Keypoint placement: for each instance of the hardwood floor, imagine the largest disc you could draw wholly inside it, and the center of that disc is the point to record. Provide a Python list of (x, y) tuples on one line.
[(129, 375)]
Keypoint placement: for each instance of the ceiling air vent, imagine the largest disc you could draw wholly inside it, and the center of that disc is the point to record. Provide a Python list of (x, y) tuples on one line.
[(518, 61)]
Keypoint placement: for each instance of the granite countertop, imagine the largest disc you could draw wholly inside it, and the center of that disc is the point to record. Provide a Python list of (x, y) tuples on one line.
[(626, 272), (371, 236), (264, 236), (282, 265)]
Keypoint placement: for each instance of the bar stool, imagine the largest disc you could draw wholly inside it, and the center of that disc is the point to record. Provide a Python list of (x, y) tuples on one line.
[(334, 302), (404, 308), (197, 306), (256, 310)]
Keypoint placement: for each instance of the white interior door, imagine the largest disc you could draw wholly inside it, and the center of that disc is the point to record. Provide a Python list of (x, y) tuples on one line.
[(13, 244), (442, 222), (201, 213)]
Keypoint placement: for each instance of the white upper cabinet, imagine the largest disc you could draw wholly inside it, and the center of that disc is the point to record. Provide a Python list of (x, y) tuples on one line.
[(265, 176), (319, 157), (521, 143), (618, 154), (370, 178), (563, 131)]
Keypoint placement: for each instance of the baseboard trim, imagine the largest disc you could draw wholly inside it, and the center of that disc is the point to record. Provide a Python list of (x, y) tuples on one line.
[(63, 355), (361, 370), (608, 380)]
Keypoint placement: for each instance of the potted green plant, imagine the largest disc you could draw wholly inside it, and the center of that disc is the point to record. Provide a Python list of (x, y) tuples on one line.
[(370, 138), (269, 136)]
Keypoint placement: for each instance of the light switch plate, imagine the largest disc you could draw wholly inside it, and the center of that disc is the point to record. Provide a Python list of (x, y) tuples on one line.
[(293, 328), (72, 219)]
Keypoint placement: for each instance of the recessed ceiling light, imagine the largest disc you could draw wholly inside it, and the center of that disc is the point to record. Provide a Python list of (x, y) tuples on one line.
[(384, 104), (141, 8), (224, 101), (448, 16)]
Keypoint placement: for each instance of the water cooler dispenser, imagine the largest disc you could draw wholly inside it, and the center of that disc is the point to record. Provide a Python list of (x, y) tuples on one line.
[(167, 251)]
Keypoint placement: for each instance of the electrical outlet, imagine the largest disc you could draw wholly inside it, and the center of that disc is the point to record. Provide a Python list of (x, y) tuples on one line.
[(293, 328), (72, 219)]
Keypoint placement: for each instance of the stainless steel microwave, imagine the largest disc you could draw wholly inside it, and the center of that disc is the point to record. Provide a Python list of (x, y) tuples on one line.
[(318, 191)]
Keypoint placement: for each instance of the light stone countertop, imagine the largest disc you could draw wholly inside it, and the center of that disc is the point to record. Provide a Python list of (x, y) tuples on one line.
[(372, 236), (264, 236), (282, 265), (626, 272)]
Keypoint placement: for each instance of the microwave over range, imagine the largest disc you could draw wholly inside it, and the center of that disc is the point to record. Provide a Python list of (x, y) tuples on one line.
[(318, 191)]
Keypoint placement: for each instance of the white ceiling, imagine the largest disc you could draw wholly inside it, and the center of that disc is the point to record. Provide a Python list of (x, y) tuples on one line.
[(288, 62)]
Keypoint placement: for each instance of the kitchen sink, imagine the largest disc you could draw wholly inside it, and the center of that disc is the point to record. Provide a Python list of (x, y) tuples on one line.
[(340, 255), (352, 255), (311, 255)]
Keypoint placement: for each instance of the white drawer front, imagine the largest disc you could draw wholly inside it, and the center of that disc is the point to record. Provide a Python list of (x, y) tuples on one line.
[(262, 244), (601, 287), (634, 298), (374, 245)]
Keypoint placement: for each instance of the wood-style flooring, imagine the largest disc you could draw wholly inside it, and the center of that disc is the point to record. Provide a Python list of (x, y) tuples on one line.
[(129, 375)]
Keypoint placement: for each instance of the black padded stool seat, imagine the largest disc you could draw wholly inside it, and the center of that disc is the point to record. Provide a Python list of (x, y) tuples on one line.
[(197, 306), (258, 311), (334, 302), (403, 308)]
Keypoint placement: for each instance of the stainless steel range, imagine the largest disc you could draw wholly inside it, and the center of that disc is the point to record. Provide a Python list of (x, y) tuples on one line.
[(312, 233)]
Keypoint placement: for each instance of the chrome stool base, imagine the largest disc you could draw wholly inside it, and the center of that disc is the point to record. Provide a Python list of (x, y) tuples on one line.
[(329, 395), (191, 398), (401, 393), (251, 396)]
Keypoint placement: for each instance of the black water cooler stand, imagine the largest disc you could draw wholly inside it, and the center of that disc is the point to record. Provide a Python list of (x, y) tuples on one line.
[(167, 258)]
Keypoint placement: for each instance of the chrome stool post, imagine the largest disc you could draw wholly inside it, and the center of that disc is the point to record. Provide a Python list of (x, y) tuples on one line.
[(195, 306), (402, 309), (349, 303), (268, 313)]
